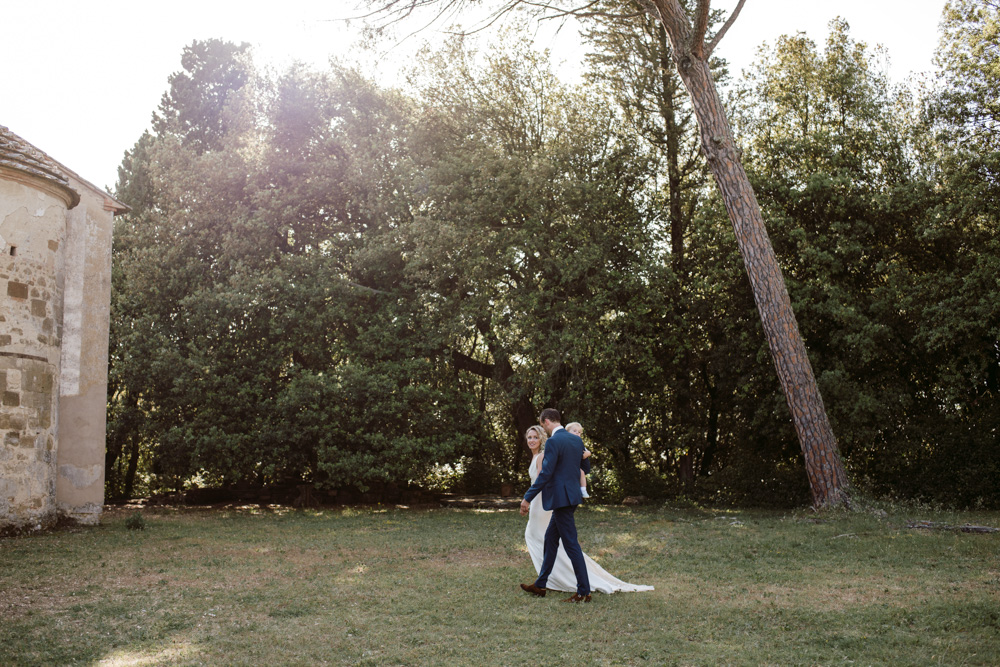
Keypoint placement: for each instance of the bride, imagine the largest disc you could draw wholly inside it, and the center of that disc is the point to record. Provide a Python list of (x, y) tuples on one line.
[(562, 577)]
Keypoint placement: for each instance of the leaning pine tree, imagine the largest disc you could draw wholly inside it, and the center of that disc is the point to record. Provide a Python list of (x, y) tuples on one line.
[(827, 478)]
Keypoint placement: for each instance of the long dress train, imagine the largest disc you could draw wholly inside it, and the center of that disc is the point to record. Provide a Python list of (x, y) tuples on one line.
[(563, 578)]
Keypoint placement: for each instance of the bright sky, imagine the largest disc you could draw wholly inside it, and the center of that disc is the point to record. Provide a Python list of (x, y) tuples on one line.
[(80, 79)]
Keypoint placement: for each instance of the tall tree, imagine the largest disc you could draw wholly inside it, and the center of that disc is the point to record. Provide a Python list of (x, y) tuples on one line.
[(196, 107), (633, 60), (951, 270), (264, 332), (530, 226), (687, 34), (826, 152), (967, 101), (827, 477)]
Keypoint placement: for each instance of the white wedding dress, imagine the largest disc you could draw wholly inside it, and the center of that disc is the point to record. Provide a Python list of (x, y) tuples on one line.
[(563, 578)]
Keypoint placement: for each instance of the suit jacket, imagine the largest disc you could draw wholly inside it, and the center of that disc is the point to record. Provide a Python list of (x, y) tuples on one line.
[(559, 479)]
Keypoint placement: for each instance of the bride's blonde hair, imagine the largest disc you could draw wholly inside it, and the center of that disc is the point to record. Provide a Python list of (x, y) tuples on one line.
[(542, 436)]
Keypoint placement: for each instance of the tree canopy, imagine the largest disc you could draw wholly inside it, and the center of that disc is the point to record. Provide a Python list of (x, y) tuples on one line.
[(324, 280)]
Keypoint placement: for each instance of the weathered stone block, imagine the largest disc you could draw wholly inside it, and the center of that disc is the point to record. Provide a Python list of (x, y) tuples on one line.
[(29, 379), (29, 400), (45, 414), (38, 308), (17, 290), (11, 399), (4, 339), (37, 380)]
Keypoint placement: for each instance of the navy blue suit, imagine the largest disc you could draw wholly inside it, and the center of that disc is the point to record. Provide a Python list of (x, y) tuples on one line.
[(559, 484)]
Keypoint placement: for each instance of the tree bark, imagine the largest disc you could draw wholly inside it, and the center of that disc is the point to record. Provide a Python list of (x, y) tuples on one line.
[(133, 466), (683, 399), (827, 478)]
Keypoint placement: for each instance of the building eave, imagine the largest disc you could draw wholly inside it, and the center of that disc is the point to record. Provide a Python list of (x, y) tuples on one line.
[(20, 161)]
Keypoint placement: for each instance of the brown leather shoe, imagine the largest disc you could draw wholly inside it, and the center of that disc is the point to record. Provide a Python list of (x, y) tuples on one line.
[(578, 598), (533, 589)]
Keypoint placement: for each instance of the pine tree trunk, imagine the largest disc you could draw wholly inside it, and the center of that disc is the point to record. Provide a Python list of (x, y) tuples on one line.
[(827, 478)]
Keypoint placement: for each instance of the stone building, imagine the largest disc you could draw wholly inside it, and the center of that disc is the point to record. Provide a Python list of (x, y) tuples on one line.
[(55, 297)]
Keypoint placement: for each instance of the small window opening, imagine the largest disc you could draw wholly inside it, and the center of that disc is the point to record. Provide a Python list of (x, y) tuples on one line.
[(13, 250)]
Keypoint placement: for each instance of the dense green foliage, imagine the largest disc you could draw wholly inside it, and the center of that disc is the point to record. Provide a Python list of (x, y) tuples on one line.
[(251, 337), (324, 280), (891, 260)]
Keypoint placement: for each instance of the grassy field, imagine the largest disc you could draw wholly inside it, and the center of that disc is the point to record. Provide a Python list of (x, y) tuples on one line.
[(250, 586)]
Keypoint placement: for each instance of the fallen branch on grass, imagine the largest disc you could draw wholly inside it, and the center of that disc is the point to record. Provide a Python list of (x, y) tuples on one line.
[(967, 528)]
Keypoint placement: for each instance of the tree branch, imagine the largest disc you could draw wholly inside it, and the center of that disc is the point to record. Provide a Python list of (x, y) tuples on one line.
[(700, 28), (464, 362), (725, 27), (649, 7), (398, 10), (677, 25), (586, 10), (365, 288)]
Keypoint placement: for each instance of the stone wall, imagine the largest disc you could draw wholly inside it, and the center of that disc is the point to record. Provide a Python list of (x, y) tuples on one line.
[(83, 386), (32, 228), (55, 301)]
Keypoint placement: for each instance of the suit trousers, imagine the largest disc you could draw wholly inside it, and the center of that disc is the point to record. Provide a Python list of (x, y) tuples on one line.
[(562, 526)]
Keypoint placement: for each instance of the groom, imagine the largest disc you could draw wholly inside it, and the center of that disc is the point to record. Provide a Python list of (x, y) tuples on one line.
[(559, 484)]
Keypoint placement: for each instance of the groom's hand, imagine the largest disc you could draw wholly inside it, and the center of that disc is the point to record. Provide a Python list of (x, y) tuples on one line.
[(525, 507)]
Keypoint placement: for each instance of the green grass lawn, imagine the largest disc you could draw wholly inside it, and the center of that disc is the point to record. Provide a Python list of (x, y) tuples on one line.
[(247, 586)]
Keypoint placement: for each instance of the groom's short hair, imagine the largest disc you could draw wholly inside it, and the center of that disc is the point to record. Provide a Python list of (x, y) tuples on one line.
[(550, 414)]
